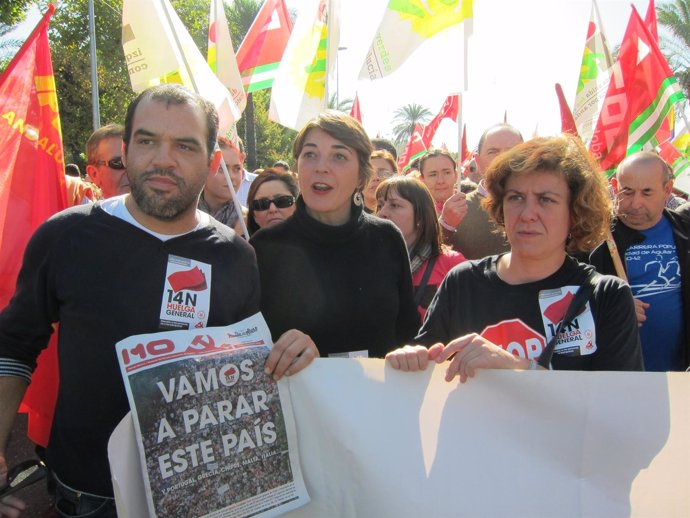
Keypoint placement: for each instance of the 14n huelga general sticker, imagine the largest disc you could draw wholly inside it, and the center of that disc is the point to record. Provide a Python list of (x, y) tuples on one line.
[(579, 337), (186, 294)]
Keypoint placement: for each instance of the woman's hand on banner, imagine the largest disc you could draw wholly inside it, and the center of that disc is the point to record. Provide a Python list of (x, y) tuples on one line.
[(291, 353)]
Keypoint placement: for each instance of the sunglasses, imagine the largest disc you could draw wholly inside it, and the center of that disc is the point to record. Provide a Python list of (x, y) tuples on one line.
[(281, 202), (23, 475), (113, 163)]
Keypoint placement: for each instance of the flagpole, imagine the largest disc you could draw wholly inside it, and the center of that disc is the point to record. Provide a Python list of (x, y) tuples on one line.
[(461, 158), (179, 47), (235, 200), (95, 110), (329, 33)]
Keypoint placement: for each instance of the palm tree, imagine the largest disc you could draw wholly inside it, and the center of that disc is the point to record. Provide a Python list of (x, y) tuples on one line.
[(405, 119), (8, 46), (675, 17), (343, 105)]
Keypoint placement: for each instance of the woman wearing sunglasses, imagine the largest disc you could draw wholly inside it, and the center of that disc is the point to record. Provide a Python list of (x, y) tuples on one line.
[(271, 199), (335, 281)]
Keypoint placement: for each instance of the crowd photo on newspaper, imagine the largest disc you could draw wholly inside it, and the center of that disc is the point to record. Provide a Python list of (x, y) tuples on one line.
[(236, 228)]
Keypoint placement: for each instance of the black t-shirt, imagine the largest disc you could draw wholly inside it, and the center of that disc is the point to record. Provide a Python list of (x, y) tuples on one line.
[(522, 318), (348, 287), (103, 279)]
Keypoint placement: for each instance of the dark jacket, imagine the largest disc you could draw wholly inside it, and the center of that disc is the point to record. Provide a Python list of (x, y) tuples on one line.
[(625, 237)]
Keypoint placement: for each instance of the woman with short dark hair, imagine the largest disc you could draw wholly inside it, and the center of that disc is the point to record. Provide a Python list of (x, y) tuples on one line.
[(335, 281)]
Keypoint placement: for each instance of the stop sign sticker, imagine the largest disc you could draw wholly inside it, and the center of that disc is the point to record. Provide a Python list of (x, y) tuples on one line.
[(516, 337)]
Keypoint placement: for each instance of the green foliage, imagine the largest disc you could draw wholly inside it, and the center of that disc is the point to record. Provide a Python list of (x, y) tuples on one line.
[(8, 46), (342, 105), (69, 41), (405, 119), (13, 11), (675, 16), (274, 142)]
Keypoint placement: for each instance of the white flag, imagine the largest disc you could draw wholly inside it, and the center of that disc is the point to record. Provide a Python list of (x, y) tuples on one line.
[(158, 49), (300, 87), (221, 54), (406, 24), (595, 75)]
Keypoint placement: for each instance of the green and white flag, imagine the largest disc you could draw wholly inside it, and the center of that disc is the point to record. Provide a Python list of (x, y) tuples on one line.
[(595, 74), (299, 89)]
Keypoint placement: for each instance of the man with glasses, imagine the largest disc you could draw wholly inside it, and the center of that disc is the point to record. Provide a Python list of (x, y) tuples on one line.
[(104, 161)]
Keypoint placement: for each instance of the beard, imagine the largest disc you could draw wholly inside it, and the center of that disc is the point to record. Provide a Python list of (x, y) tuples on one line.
[(162, 205)]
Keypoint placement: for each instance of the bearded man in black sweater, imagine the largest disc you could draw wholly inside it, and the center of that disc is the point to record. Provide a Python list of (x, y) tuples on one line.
[(115, 269)]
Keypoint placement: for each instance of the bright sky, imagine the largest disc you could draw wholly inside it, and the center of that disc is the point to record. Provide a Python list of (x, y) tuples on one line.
[(517, 52)]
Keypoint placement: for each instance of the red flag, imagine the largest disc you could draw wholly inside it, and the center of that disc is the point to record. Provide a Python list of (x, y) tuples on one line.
[(641, 93), (567, 119), (665, 132), (449, 110), (414, 149), (650, 21), (32, 184), (262, 48), (32, 188), (355, 112)]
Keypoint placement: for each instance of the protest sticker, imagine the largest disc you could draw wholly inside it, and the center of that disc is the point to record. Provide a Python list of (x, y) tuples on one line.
[(216, 435), (186, 294)]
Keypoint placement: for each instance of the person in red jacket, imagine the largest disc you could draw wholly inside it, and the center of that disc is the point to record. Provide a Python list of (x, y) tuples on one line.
[(408, 203)]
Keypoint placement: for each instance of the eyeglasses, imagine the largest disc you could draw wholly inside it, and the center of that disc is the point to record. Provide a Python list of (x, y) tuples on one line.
[(281, 202), (384, 173), (113, 163)]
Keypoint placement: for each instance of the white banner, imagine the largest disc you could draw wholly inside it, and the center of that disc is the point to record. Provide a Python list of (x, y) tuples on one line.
[(377, 442)]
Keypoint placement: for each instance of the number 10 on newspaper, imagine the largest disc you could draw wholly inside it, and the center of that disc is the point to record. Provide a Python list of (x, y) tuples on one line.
[(216, 435)]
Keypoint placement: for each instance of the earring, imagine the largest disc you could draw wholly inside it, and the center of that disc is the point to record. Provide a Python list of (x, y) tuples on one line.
[(357, 198)]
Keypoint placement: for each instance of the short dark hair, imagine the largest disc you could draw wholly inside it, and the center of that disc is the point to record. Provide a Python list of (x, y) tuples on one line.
[(434, 153), (98, 136), (72, 170), (281, 163), (173, 93), (267, 175), (347, 130), (385, 145)]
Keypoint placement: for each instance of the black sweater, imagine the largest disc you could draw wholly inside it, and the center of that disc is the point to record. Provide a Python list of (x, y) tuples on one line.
[(349, 287), (103, 280)]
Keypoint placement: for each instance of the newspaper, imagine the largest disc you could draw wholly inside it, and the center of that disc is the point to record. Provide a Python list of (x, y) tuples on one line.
[(216, 436)]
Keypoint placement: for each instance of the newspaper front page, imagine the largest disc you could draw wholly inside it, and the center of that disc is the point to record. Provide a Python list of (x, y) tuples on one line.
[(216, 435)]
